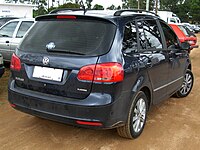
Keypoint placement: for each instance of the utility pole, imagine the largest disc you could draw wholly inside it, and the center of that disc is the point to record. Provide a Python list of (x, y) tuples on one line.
[(48, 6), (138, 4), (156, 11), (147, 5)]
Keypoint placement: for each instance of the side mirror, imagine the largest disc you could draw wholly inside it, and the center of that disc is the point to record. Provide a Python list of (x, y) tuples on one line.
[(185, 46)]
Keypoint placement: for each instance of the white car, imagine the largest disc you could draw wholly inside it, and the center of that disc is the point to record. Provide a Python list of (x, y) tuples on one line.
[(1, 66), (11, 35)]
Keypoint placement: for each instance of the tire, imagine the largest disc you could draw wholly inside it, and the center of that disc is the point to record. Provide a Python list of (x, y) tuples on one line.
[(136, 117), (186, 86)]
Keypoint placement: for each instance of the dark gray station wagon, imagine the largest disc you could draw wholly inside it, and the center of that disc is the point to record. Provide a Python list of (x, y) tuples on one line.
[(99, 69)]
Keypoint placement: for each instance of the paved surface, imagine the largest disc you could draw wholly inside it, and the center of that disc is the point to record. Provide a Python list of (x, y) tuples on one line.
[(173, 125)]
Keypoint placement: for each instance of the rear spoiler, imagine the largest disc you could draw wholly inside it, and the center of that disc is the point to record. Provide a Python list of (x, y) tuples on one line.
[(52, 17)]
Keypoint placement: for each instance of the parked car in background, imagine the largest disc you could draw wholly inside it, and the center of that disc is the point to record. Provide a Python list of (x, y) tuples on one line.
[(184, 35), (192, 37), (187, 31), (195, 28), (3, 20), (191, 27), (168, 17), (98, 69), (1, 66), (11, 35)]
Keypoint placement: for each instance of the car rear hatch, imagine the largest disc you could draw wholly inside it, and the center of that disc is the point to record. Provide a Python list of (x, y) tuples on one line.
[(56, 48)]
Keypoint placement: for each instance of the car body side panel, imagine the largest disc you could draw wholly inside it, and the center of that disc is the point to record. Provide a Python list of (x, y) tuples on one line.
[(5, 47)]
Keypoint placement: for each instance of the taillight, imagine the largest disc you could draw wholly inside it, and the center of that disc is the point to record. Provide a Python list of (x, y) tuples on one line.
[(66, 17), (105, 72), (12, 105), (15, 63)]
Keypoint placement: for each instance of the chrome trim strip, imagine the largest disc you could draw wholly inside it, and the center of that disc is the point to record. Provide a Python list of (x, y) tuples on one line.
[(167, 84)]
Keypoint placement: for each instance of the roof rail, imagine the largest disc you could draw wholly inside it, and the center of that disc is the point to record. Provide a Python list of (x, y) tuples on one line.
[(65, 9), (119, 12)]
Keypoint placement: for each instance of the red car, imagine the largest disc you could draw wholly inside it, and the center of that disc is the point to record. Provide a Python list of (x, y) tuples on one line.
[(184, 35)]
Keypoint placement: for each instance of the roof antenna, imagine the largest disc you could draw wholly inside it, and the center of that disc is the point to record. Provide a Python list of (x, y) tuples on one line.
[(83, 6)]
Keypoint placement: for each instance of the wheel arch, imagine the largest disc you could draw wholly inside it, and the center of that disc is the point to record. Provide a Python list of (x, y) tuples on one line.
[(142, 85), (189, 67), (147, 92)]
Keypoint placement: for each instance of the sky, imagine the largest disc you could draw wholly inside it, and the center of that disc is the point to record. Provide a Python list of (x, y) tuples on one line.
[(107, 3)]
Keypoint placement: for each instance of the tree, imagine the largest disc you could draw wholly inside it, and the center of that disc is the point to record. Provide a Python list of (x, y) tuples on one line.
[(194, 10), (187, 10), (133, 4), (125, 4), (77, 1), (88, 3), (98, 7), (119, 7), (112, 7), (41, 8)]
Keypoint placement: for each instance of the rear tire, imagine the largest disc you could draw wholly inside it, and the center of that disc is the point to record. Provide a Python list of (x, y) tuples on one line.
[(186, 86), (136, 117)]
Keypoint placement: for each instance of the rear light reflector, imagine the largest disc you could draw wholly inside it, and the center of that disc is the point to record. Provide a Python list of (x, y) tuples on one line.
[(105, 72), (15, 63), (89, 123), (12, 105), (66, 17)]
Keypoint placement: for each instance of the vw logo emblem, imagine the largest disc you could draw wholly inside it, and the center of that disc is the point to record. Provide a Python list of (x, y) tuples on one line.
[(45, 60)]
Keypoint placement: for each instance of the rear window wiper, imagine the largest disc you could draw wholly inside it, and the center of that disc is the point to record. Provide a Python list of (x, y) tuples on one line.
[(3, 35), (64, 51)]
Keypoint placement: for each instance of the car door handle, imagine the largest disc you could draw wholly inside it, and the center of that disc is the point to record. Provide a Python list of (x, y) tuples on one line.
[(7, 42)]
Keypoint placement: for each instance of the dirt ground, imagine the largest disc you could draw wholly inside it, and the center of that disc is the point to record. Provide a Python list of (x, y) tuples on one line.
[(172, 125)]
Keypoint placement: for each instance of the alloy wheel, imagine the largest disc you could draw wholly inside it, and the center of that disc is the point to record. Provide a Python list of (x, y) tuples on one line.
[(139, 115)]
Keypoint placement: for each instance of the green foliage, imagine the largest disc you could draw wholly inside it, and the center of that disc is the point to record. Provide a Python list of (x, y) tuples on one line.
[(119, 7), (187, 10), (88, 3), (133, 4), (41, 9), (194, 10), (98, 7), (112, 7), (125, 4)]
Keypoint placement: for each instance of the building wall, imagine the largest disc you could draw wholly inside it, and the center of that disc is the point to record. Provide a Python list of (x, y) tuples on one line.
[(16, 10)]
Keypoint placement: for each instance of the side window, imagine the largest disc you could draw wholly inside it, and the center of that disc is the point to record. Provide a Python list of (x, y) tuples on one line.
[(130, 37), (25, 25), (8, 30), (170, 36), (149, 35), (172, 20)]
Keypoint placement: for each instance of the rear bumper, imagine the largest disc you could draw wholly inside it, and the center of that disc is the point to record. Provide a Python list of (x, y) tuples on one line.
[(2, 69), (109, 115)]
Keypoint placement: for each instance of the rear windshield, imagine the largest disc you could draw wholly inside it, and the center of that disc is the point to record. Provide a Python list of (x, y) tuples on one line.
[(76, 37)]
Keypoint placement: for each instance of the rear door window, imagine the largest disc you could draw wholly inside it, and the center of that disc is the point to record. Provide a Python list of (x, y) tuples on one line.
[(78, 37), (25, 25), (149, 35)]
